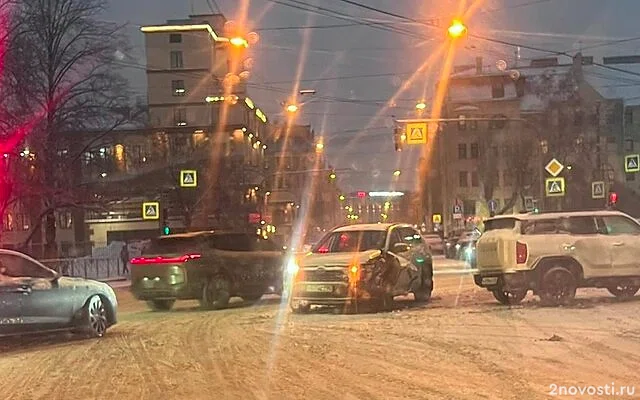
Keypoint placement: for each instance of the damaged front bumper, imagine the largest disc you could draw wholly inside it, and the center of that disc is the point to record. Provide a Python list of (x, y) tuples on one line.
[(328, 293)]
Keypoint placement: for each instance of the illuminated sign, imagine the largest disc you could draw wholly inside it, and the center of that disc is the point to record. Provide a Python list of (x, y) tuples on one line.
[(183, 28), (386, 194), (261, 115)]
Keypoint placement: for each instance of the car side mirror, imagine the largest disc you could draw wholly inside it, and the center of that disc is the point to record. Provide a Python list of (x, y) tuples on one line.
[(400, 248)]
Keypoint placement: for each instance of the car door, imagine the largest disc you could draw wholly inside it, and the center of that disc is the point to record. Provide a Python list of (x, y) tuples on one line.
[(417, 254), (11, 293), (272, 257), (623, 237), (587, 245), (401, 271), (45, 304)]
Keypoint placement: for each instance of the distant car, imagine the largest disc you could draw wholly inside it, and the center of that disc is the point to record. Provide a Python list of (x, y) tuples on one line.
[(34, 298), (435, 242), (368, 263), (208, 266)]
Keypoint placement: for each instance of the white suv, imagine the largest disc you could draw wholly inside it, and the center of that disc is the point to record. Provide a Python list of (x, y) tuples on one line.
[(553, 254)]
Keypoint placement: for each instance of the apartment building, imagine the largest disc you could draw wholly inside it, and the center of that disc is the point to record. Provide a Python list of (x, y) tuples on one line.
[(512, 121)]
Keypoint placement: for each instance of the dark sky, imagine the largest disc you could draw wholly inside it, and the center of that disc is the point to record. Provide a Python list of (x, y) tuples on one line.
[(560, 25)]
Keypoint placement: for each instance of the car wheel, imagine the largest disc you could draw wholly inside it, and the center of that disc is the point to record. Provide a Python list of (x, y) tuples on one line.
[(384, 303), (95, 317), (216, 293), (558, 287), (423, 294), (509, 298), (624, 290), (251, 298), (161, 305)]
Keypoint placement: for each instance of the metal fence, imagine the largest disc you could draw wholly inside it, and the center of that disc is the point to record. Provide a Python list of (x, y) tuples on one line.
[(91, 268)]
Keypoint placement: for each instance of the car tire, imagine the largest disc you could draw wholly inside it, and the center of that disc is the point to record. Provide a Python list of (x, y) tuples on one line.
[(558, 287), (216, 293), (161, 305), (624, 290), (509, 298), (250, 299), (95, 320), (384, 302), (423, 294)]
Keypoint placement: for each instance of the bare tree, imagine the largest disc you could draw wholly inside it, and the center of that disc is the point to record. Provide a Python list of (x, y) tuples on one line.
[(65, 73)]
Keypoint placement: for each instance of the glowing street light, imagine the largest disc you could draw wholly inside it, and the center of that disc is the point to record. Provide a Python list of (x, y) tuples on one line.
[(238, 41), (319, 147), (292, 108), (456, 29), (396, 172), (421, 105), (332, 176)]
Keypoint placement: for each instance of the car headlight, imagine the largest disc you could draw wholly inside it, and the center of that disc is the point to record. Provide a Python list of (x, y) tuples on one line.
[(292, 267)]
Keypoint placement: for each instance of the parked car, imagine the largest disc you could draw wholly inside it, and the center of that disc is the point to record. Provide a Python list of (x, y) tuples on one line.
[(554, 254), (368, 263), (208, 266), (466, 250), (435, 243), (34, 298)]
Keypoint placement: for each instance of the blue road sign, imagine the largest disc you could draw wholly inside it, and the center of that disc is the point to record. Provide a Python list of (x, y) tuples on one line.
[(493, 205)]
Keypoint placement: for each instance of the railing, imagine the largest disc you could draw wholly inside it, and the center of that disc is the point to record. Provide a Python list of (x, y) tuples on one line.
[(90, 268)]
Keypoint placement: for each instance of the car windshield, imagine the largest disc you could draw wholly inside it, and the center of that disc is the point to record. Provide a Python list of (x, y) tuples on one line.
[(351, 241)]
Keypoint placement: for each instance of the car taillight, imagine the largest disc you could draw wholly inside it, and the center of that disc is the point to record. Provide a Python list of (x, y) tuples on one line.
[(164, 260), (521, 253)]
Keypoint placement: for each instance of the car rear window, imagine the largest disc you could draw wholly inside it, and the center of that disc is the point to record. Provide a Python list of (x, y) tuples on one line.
[(500, 223), (171, 245)]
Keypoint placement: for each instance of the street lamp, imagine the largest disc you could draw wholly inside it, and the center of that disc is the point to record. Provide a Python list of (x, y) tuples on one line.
[(292, 108), (421, 105), (319, 147), (238, 41), (396, 172), (456, 29)]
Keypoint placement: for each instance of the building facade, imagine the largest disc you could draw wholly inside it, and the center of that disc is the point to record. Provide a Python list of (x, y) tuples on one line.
[(509, 124), (302, 187)]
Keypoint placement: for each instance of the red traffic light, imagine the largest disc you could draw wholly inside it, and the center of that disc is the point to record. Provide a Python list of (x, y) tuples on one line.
[(613, 198)]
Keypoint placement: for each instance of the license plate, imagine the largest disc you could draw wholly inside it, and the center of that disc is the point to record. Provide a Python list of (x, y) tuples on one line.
[(492, 280), (319, 288)]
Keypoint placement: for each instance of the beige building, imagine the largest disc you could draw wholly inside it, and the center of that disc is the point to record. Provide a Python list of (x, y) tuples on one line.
[(510, 124)]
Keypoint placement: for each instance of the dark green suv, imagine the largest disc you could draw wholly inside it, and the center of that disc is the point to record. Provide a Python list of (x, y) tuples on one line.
[(207, 266)]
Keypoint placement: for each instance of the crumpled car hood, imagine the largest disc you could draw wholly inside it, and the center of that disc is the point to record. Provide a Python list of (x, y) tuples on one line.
[(338, 259)]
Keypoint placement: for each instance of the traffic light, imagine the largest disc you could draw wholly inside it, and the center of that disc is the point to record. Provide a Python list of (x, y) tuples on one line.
[(397, 138), (166, 229), (613, 199)]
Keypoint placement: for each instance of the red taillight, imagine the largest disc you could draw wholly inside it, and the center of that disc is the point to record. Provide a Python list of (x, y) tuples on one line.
[(521, 253), (164, 260), (323, 249)]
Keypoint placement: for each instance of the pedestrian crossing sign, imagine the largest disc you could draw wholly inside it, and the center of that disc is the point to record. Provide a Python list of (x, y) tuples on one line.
[(188, 178), (151, 210), (597, 190), (632, 163), (554, 187), (416, 133)]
